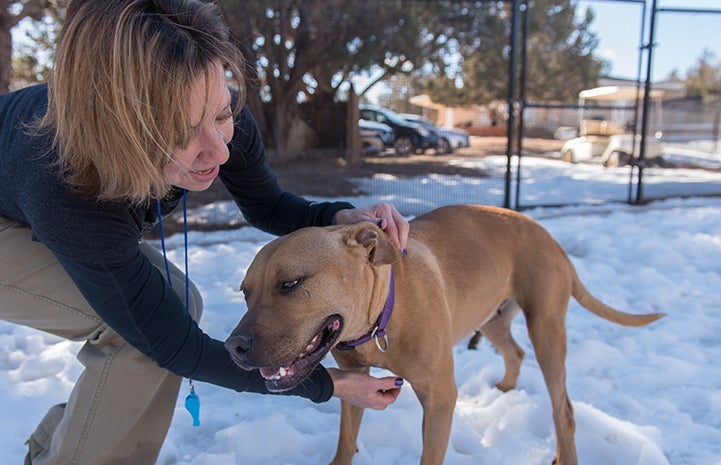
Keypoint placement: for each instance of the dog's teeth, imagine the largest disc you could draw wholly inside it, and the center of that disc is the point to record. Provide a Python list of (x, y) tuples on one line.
[(282, 372), (311, 344)]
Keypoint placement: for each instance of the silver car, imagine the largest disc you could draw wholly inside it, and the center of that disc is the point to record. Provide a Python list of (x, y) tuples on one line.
[(376, 137), (449, 139)]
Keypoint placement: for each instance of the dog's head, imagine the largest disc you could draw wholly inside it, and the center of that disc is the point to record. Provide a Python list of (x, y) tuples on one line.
[(306, 292)]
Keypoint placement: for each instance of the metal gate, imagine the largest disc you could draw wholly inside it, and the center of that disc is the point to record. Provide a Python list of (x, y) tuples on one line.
[(635, 191)]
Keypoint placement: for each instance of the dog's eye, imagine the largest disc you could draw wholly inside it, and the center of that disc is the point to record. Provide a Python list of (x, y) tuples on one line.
[(289, 284)]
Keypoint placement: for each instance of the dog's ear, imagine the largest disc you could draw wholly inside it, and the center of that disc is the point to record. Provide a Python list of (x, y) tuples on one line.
[(378, 246)]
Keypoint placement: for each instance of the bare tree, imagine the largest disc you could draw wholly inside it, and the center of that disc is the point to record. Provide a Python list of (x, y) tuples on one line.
[(457, 51), (306, 49)]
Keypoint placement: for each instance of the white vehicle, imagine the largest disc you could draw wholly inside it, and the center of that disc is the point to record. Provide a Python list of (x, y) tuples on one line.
[(608, 140), (614, 150)]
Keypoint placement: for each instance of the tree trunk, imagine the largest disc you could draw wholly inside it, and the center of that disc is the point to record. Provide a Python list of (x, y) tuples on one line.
[(717, 124), (353, 139), (6, 54), (280, 123)]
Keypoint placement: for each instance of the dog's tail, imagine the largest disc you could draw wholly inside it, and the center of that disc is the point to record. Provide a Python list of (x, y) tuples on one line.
[(595, 306)]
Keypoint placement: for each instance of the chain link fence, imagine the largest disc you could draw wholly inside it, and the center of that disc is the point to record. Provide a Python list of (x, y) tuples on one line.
[(634, 138)]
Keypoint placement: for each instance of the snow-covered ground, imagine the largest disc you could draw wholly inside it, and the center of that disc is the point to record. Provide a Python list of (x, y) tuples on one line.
[(702, 153), (642, 396)]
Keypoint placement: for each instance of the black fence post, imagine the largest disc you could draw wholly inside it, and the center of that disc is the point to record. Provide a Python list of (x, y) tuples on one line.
[(646, 103), (512, 64), (526, 9)]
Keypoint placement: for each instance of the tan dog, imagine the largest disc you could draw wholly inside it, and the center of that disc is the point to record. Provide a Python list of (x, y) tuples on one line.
[(468, 267)]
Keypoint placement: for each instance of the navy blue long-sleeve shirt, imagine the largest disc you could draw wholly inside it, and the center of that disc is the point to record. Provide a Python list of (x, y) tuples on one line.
[(97, 242)]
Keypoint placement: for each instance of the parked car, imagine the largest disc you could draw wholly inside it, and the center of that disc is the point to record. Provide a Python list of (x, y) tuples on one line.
[(376, 137), (409, 138), (449, 139)]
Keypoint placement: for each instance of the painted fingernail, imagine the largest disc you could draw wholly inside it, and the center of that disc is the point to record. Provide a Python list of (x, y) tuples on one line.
[(380, 223), (399, 382), (405, 252)]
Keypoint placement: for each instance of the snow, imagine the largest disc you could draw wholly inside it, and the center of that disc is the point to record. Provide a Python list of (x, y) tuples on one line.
[(642, 396)]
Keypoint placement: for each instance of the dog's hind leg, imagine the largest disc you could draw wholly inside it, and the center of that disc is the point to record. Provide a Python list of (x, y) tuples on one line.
[(498, 332), (547, 331)]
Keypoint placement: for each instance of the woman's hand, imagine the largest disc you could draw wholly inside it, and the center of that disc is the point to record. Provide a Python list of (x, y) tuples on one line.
[(365, 391), (385, 216)]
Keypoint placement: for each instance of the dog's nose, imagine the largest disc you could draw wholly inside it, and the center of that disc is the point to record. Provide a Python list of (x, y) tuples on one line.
[(238, 344)]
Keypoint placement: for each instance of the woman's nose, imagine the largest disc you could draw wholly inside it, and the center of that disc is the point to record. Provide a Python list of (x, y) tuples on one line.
[(215, 146)]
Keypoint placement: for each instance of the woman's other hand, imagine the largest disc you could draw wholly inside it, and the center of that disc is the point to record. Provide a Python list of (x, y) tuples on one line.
[(363, 390)]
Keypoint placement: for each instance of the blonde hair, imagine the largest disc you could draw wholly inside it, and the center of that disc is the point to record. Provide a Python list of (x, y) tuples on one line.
[(119, 93)]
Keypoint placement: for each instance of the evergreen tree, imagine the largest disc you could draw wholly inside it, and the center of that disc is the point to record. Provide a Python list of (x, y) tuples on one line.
[(560, 60), (704, 80), (31, 63)]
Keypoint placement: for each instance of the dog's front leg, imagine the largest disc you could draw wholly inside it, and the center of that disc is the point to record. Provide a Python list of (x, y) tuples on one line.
[(350, 419), (437, 394)]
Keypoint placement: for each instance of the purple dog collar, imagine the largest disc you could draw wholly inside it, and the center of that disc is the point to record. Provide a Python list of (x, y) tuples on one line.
[(379, 331)]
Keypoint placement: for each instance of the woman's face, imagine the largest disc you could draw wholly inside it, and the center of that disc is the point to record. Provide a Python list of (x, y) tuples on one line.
[(197, 160)]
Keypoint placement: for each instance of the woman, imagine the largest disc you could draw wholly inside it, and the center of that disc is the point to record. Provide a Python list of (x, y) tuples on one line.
[(136, 111)]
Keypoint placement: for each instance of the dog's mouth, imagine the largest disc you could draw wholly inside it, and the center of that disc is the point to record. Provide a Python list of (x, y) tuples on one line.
[(287, 377)]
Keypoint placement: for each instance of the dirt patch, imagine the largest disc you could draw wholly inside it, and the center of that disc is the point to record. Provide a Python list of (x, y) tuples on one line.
[(334, 178), (331, 176)]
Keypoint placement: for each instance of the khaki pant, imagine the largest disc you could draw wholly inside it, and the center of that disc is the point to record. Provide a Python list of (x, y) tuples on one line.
[(121, 406)]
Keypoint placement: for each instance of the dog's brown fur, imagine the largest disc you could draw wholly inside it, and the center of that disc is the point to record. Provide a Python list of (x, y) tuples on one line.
[(468, 267)]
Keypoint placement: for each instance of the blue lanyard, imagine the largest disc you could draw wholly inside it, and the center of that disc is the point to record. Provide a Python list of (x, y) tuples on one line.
[(192, 402)]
